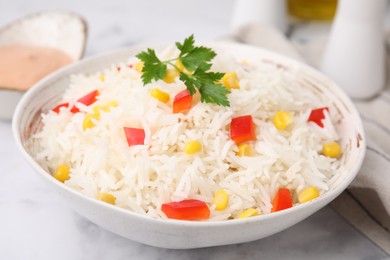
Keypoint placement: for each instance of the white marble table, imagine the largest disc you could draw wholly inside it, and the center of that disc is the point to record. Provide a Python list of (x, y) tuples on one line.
[(34, 224)]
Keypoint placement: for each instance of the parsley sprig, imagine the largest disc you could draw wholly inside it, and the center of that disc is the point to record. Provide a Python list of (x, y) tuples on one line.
[(197, 60)]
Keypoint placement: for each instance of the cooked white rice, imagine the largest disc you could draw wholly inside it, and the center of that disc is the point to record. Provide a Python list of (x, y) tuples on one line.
[(146, 176)]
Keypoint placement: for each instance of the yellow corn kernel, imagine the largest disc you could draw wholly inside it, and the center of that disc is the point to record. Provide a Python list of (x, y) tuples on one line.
[(107, 197), (282, 119), (62, 173), (102, 77), (230, 80), (192, 147), (106, 108), (248, 213), (112, 104), (308, 194), (96, 109), (244, 150), (332, 149), (139, 66), (87, 123), (221, 199), (181, 67), (160, 95), (170, 75)]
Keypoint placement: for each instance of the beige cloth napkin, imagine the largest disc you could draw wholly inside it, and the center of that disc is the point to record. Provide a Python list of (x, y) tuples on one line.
[(366, 203)]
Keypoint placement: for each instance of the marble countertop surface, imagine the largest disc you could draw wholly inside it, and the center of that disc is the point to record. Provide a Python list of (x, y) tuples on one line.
[(35, 224)]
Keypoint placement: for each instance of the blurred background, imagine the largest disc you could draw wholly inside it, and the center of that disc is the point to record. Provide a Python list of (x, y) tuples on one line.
[(114, 24)]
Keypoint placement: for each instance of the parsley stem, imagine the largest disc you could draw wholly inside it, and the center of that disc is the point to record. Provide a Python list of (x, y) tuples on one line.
[(169, 61), (172, 64)]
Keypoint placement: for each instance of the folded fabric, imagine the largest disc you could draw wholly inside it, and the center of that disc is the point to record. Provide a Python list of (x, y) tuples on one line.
[(371, 188)]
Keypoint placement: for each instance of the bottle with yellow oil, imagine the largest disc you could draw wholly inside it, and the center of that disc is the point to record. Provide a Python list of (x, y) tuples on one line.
[(312, 10)]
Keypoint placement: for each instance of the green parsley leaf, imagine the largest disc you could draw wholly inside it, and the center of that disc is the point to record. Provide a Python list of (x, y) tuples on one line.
[(204, 67), (191, 83), (194, 58), (187, 46), (214, 93), (197, 57), (210, 77), (153, 67), (148, 56)]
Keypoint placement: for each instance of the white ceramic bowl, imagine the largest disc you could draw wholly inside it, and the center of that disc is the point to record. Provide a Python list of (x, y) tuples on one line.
[(187, 234), (59, 30)]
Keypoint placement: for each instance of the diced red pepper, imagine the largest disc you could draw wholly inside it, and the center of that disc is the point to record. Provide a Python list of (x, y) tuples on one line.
[(87, 100), (186, 210), (118, 68), (242, 129), (182, 101), (134, 136), (282, 200), (57, 108), (317, 115)]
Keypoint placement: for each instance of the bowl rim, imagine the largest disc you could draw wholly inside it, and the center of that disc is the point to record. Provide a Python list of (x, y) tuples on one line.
[(65, 72)]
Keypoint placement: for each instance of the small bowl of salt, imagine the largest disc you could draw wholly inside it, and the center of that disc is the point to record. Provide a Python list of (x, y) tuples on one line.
[(33, 47)]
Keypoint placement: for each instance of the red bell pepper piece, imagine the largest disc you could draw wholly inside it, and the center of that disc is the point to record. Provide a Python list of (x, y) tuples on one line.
[(57, 108), (87, 100), (182, 101), (242, 129), (317, 115), (134, 136), (186, 210), (282, 200)]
